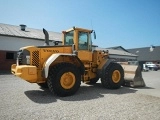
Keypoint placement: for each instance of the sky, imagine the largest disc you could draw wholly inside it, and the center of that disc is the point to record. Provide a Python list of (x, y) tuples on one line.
[(126, 23)]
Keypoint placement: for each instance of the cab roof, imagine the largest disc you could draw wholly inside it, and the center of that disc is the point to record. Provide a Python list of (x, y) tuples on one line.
[(80, 29)]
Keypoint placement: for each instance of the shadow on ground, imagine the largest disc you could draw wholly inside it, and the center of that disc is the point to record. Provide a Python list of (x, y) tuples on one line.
[(87, 92), (5, 72), (144, 88), (40, 96)]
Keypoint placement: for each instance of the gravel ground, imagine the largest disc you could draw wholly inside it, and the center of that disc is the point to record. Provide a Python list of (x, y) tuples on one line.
[(20, 100)]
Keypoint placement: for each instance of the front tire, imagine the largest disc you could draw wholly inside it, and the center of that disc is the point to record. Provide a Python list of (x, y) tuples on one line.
[(64, 79), (43, 85), (113, 76)]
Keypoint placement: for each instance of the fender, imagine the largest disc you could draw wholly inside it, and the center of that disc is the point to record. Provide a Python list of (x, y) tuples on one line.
[(53, 57), (103, 66)]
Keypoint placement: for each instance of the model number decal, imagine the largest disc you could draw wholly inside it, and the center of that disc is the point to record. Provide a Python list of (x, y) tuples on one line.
[(54, 51)]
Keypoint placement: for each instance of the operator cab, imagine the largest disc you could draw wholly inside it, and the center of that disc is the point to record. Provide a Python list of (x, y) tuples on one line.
[(81, 38)]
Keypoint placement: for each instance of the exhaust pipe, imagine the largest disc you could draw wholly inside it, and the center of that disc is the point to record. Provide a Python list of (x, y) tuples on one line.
[(46, 37)]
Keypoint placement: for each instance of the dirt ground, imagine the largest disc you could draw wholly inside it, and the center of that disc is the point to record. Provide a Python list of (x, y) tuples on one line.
[(20, 100)]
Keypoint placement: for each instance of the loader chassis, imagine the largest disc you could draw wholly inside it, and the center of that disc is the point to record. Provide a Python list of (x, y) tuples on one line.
[(63, 67)]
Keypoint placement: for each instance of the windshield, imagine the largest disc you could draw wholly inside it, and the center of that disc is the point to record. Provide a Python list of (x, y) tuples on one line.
[(84, 41), (68, 38)]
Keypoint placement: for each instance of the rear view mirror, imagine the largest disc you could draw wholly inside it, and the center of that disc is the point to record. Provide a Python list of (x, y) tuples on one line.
[(94, 33)]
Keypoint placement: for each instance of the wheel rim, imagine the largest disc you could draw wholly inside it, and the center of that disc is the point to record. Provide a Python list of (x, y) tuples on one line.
[(67, 80), (116, 76)]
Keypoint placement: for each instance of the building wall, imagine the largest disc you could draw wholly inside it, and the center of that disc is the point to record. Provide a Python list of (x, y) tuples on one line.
[(7, 58), (14, 43), (9, 47)]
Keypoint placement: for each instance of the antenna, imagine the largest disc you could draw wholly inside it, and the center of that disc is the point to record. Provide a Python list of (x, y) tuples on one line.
[(91, 24)]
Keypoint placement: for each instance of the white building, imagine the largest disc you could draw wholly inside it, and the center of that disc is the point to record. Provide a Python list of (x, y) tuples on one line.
[(14, 37)]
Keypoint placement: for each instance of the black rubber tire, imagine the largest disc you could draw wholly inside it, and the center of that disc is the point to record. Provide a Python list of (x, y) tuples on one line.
[(93, 81), (43, 85), (107, 80), (54, 77)]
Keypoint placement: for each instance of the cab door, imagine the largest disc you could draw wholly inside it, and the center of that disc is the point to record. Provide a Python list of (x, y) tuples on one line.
[(84, 47)]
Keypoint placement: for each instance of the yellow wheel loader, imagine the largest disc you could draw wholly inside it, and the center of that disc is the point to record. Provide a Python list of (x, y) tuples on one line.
[(61, 68)]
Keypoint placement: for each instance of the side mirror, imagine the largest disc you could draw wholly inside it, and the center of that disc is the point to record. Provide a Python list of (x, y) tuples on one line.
[(94, 34)]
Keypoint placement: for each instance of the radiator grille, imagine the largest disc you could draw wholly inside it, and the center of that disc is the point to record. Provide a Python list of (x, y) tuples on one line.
[(35, 58)]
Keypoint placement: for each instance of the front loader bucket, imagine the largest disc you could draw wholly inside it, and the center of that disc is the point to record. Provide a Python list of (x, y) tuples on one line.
[(133, 76)]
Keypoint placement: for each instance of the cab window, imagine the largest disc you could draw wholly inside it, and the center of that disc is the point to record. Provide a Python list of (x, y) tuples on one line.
[(83, 41), (68, 38)]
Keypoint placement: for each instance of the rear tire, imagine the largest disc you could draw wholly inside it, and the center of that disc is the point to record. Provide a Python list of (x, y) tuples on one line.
[(64, 79), (113, 76)]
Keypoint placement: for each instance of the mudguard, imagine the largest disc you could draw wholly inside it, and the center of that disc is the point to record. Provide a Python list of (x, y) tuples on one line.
[(103, 66), (53, 57)]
